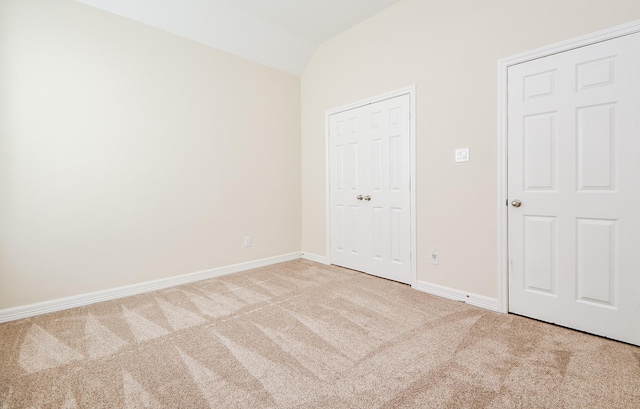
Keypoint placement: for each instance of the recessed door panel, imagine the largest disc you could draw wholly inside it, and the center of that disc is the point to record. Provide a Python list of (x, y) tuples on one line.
[(339, 230), (539, 85), (596, 147), (395, 162), (539, 254), (376, 120), (394, 117), (596, 272), (353, 125), (395, 234), (597, 73), (352, 166), (377, 231), (376, 165), (339, 168), (354, 227), (539, 152)]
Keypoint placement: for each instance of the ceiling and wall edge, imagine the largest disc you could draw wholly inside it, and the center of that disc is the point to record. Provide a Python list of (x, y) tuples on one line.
[(282, 34)]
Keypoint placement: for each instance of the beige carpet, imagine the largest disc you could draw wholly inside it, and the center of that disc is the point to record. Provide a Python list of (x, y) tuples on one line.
[(304, 335)]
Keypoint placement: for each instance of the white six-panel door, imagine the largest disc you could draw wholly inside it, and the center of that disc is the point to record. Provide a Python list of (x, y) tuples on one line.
[(574, 165), (369, 189)]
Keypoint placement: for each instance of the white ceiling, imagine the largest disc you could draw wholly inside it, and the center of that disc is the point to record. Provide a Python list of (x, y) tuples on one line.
[(281, 34)]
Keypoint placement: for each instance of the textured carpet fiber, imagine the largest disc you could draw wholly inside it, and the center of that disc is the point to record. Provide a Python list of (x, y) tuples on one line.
[(304, 335)]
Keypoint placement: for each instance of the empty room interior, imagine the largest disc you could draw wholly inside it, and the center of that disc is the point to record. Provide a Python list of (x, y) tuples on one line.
[(319, 204)]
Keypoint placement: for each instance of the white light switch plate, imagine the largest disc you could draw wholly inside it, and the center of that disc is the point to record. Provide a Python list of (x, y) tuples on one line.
[(462, 155)]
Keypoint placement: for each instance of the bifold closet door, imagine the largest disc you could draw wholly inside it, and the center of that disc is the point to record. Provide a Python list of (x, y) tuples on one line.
[(370, 194)]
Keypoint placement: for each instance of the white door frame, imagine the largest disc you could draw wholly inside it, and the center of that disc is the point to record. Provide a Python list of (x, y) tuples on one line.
[(411, 91), (503, 66)]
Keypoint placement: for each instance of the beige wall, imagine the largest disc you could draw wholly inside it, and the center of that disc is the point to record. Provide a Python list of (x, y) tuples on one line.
[(128, 154), (449, 49)]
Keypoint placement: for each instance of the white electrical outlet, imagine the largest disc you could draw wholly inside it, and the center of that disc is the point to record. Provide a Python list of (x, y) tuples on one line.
[(247, 241), (435, 257)]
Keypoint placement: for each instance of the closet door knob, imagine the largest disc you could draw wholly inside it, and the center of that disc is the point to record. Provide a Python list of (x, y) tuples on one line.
[(359, 197), (367, 198)]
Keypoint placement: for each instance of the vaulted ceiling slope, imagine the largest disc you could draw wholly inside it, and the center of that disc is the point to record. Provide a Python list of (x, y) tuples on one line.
[(281, 34)]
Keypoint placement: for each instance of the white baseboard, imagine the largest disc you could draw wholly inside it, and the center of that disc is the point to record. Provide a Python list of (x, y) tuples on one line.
[(457, 295), (315, 257), (16, 313)]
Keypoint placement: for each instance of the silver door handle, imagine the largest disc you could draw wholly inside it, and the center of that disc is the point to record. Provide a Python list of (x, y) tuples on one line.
[(367, 198), (516, 203), (359, 197)]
